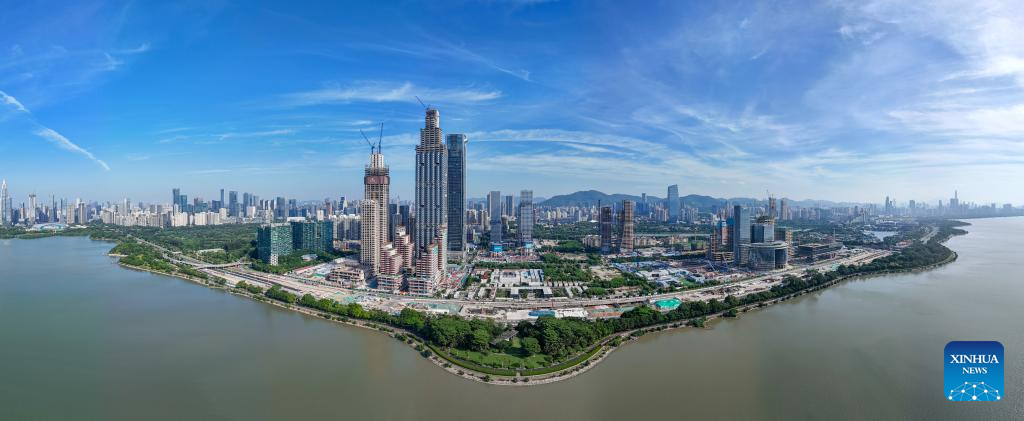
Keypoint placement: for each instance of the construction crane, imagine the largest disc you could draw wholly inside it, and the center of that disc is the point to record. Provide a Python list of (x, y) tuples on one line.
[(380, 139), (425, 106), (368, 142)]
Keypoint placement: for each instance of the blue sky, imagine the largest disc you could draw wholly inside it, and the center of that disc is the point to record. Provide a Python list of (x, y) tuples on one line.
[(829, 100)]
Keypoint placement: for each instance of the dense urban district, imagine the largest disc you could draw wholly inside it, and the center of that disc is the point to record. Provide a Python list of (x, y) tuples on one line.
[(507, 289)]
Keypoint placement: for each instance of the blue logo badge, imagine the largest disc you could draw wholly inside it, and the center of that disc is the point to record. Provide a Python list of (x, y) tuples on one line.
[(974, 371)]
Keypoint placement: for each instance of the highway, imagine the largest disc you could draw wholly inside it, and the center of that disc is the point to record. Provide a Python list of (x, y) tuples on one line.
[(737, 288)]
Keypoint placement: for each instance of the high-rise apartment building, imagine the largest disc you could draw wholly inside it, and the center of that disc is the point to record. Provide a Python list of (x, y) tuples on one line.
[(370, 240), (314, 236), (525, 219), (272, 241), (457, 194), (425, 281), (672, 202), (431, 185)]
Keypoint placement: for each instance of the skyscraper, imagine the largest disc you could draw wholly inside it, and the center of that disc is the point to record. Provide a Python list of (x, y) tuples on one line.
[(176, 198), (763, 231), (494, 210), (525, 218), (508, 209), (5, 205), (374, 209), (740, 234), (606, 229), (626, 228), (672, 202), (233, 206), (431, 186), (31, 212), (457, 193), (280, 208)]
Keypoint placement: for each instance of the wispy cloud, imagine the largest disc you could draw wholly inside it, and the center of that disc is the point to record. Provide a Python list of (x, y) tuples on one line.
[(210, 171), (944, 68), (137, 50), (463, 53), (431, 46), (386, 92), (111, 62), (245, 135), (48, 133), (63, 142), (10, 100)]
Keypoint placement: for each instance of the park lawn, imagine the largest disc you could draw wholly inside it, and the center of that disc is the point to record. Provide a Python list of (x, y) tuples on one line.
[(500, 359)]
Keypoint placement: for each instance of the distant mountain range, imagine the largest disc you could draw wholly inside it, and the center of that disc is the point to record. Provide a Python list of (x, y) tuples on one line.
[(593, 197)]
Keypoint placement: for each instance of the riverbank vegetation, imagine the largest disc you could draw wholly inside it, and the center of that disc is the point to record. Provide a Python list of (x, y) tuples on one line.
[(552, 344), (213, 243), (146, 257)]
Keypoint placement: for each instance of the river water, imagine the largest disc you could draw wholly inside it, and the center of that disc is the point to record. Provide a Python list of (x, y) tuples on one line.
[(83, 339)]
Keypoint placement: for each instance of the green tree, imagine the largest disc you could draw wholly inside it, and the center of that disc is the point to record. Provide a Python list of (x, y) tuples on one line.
[(480, 339), (530, 345)]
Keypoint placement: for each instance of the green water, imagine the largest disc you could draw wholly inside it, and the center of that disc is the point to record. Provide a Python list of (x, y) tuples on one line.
[(82, 339)]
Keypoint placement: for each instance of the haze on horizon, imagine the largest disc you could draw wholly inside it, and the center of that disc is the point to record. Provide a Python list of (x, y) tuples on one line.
[(840, 100)]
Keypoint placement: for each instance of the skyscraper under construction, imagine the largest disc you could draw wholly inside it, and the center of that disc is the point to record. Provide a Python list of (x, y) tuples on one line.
[(374, 210)]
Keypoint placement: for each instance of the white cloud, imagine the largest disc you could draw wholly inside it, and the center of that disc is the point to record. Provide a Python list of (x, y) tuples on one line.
[(10, 100), (864, 33), (429, 46), (386, 92), (137, 50), (63, 142), (949, 68), (265, 133), (111, 63)]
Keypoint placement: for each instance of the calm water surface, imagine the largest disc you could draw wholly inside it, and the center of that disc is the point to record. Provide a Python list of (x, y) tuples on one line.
[(81, 338)]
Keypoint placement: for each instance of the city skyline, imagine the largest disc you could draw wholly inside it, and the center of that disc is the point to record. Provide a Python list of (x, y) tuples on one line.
[(803, 100), (886, 202)]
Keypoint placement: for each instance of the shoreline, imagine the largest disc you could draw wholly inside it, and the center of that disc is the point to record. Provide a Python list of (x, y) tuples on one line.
[(594, 355)]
